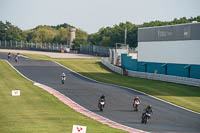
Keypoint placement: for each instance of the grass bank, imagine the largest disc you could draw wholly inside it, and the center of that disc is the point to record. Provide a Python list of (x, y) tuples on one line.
[(37, 111), (182, 95)]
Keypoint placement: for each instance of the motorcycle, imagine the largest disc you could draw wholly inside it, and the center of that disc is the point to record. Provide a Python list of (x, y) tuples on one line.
[(63, 80), (16, 59), (145, 117), (136, 104), (9, 55), (101, 104)]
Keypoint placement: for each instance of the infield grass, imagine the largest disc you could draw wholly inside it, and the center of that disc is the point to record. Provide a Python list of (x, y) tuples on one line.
[(37, 111)]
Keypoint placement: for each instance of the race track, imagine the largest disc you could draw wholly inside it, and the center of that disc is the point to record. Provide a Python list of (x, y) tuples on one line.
[(166, 117)]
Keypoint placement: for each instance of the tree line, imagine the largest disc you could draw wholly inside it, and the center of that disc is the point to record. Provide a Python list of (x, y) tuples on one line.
[(41, 34), (106, 36), (110, 35)]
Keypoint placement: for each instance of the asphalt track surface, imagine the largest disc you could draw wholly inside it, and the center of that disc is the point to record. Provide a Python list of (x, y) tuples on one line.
[(166, 117)]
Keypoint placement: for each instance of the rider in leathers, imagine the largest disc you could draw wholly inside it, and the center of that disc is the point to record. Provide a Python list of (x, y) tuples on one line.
[(148, 110), (102, 98)]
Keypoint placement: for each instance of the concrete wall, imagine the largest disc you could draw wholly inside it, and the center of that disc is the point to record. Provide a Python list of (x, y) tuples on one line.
[(129, 63), (115, 55), (153, 76), (173, 69)]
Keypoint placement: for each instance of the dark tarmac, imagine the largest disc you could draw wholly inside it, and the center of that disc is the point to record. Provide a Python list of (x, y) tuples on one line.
[(166, 117)]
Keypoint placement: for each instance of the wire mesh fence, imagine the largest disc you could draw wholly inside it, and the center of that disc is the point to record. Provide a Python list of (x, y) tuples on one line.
[(94, 50), (54, 47), (32, 46)]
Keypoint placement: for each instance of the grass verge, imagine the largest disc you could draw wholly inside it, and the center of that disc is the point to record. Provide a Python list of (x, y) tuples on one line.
[(37, 111)]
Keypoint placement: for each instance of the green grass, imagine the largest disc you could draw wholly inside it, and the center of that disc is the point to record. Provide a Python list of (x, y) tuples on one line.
[(38, 56), (37, 111), (182, 95)]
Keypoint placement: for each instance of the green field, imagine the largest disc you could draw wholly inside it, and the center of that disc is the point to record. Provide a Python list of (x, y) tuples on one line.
[(37, 111), (182, 95)]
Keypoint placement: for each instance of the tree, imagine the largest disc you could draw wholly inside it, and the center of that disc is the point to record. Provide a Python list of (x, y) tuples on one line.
[(65, 25), (10, 32), (81, 38), (110, 35), (106, 41), (44, 34), (2, 31), (106, 36), (62, 35)]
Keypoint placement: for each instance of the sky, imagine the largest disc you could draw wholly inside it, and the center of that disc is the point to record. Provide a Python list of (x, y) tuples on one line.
[(91, 15)]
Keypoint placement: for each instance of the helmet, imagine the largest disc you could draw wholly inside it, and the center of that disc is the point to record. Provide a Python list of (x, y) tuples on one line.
[(137, 97), (102, 96), (63, 74), (149, 106)]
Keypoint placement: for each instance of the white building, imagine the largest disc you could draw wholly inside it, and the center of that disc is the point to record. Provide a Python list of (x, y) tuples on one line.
[(179, 44)]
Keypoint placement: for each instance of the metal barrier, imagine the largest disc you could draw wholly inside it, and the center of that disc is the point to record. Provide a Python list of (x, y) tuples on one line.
[(32, 46), (110, 66), (94, 50)]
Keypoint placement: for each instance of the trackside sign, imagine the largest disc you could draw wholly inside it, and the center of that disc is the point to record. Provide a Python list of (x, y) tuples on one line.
[(79, 129), (15, 92)]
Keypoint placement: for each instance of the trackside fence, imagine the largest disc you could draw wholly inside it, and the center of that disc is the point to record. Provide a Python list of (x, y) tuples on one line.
[(32, 46), (94, 50)]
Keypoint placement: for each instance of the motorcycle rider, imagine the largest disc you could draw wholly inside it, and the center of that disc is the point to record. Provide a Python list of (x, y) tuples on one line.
[(17, 57), (63, 77), (148, 110), (102, 98), (136, 99), (9, 54)]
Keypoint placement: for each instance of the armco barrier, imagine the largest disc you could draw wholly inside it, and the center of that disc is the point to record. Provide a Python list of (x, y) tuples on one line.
[(110, 66), (161, 77), (167, 78)]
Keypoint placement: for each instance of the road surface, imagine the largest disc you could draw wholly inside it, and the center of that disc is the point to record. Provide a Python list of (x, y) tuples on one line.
[(166, 117)]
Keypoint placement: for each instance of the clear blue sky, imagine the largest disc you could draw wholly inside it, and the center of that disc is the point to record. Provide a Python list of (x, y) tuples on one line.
[(90, 15)]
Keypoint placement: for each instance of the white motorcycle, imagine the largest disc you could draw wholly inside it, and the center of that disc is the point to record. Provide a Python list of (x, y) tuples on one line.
[(101, 104), (63, 79)]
